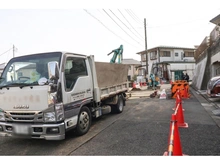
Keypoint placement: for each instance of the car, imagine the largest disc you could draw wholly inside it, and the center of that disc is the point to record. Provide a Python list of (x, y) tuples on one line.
[(213, 87)]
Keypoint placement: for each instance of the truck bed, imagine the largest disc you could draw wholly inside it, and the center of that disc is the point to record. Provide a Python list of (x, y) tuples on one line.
[(112, 78)]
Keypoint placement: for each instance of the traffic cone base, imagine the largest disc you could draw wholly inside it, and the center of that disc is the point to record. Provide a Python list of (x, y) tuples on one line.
[(166, 154), (183, 125)]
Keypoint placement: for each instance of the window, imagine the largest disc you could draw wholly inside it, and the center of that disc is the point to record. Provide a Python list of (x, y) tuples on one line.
[(74, 68), (153, 55), (176, 54), (189, 54), (165, 53)]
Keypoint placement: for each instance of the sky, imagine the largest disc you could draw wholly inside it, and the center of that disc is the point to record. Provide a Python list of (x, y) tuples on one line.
[(98, 27)]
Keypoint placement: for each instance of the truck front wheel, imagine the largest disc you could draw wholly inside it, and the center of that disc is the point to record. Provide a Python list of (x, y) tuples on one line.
[(84, 121)]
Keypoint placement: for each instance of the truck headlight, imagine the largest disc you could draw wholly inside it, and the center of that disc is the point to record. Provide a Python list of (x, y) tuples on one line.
[(2, 115), (59, 112), (49, 117)]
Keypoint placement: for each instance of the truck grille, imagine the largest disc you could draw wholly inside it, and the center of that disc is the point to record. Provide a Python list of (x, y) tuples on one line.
[(24, 117)]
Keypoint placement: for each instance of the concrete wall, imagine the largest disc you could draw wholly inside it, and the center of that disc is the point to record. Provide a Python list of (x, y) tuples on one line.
[(207, 62), (199, 73)]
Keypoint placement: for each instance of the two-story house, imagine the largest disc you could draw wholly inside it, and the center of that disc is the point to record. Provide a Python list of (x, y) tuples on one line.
[(167, 61), (133, 68)]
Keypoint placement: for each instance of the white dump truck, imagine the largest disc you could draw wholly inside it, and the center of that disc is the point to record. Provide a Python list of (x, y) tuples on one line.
[(44, 95)]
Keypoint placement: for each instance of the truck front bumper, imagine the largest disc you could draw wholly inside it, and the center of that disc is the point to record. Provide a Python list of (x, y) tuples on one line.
[(35, 131)]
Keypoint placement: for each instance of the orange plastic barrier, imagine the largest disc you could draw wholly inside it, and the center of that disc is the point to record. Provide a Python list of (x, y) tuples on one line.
[(181, 85)]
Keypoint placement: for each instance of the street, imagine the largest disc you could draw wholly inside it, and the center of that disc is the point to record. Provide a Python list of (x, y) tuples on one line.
[(141, 130)]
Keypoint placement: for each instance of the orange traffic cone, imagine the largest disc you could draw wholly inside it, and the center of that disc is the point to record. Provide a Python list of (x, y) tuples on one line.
[(174, 147), (178, 100), (186, 93), (180, 116)]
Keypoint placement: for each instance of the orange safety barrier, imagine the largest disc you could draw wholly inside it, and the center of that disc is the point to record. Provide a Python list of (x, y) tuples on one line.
[(174, 143), (181, 85)]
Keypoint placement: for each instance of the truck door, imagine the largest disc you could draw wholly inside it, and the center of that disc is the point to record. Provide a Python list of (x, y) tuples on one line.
[(77, 81)]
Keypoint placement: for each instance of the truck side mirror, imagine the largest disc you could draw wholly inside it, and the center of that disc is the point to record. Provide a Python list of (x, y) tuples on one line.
[(53, 70)]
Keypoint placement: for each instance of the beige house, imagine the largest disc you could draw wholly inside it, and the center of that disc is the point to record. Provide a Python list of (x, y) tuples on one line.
[(133, 68)]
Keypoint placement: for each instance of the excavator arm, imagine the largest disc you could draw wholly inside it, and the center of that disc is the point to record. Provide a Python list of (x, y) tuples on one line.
[(117, 54)]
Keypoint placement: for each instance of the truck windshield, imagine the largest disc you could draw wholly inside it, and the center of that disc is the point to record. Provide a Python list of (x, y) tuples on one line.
[(27, 70)]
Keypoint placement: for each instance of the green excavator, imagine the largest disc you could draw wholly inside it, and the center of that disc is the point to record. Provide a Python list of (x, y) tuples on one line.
[(117, 54)]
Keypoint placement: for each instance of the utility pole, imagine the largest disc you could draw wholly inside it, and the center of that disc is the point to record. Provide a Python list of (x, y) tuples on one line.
[(145, 30), (13, 51)]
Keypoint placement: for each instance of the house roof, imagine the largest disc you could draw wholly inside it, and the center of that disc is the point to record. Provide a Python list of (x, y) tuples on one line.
[(130, 61), (165, 47), (216, 20)]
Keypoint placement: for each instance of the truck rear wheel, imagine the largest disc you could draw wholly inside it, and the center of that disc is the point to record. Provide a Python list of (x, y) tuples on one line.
[(84, 121), (118, 108)]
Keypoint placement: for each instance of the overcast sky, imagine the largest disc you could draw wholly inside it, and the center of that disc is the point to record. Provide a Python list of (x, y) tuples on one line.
[(98, 27)]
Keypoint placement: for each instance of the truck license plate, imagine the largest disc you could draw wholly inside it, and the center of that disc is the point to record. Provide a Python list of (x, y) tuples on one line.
[(21, 129)]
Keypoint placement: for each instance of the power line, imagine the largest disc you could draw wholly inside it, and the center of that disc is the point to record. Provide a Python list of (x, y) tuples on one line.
[(130, 24), (123, 23), (133, 17), (120, 26), (136, 16), (107, 27), (6, 51)]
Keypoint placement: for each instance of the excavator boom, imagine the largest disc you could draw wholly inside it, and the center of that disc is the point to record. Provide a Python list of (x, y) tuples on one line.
[(117, 54)]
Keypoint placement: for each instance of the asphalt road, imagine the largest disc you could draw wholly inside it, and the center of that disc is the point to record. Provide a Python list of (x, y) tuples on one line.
[(141, 130)]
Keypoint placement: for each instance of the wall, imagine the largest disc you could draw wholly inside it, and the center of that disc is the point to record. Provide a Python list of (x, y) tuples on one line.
[(206, 63), (199, 73), (177, 58), (171, 58), (189, 67), (132, 70)]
